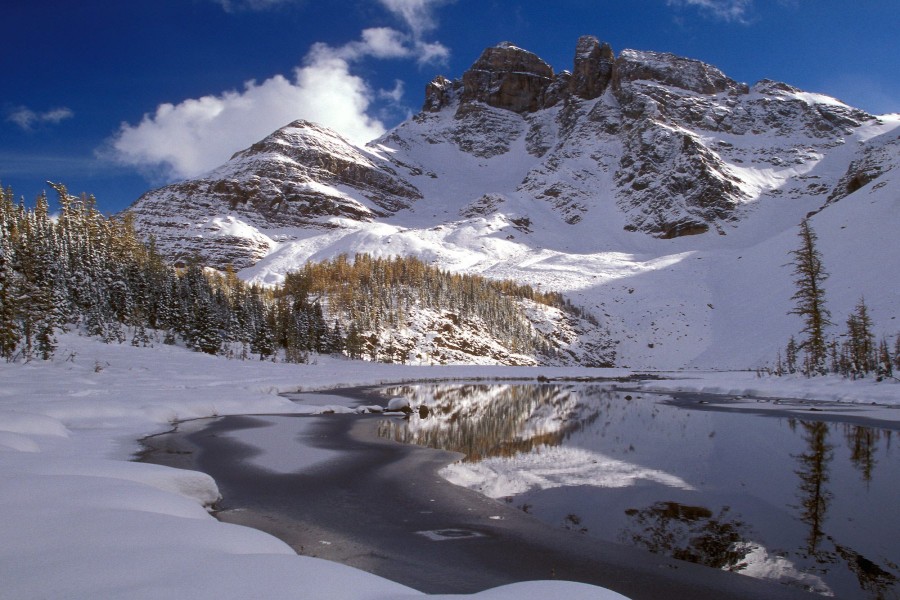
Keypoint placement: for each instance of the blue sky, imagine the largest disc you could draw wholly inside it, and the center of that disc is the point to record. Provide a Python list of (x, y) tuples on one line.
[(114, 98)]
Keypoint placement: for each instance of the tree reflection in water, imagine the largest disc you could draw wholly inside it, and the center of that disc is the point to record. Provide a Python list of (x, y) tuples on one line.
[(485, 421), (804, 540), (691, 533), (815, 499), (813, 473), (863, 443)]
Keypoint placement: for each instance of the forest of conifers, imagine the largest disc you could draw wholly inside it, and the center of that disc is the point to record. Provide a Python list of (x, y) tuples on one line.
[(80, 270)]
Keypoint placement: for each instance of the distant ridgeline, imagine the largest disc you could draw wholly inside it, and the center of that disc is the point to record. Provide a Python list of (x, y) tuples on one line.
[(83, 271)]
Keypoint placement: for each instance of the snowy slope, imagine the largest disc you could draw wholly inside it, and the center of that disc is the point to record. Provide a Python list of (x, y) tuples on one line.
[(666, 202)]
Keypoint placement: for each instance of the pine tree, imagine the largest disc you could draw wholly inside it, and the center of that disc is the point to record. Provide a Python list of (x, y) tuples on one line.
[(884, 365), (263, 342), (9, 328), (897, 352), (810, 300), (355, 344), (860, 340), (790, 356)]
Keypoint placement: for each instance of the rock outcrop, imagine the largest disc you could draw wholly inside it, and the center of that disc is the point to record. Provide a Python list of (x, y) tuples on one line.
[(507, 77), (593, 68)]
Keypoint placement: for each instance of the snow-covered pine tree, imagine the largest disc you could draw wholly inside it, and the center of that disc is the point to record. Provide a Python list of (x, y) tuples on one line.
[(9, 329), (354, 345), (897, 352)]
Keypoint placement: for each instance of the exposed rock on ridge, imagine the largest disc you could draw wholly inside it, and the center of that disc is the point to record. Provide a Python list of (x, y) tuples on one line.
[(292, 178), (507, 77), (593, 69)]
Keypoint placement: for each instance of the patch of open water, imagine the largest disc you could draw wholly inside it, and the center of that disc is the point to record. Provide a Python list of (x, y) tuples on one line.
[(808, 502)]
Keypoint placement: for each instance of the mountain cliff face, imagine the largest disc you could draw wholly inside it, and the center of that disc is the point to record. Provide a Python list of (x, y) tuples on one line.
[(600, 182)]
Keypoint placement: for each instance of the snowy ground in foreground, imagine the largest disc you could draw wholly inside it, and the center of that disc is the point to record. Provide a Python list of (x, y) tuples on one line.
[(80, 521)]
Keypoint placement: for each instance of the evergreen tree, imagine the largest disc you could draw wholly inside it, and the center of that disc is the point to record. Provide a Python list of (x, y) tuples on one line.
[(884, 365), (9, 328), (355, 344), (897, 352), (263, 342), (790, 356), (810, 300), (860, 340)]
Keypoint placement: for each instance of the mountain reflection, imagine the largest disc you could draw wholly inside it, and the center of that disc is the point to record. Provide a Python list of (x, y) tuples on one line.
[(691, 533), (811, 505), (485, 421)]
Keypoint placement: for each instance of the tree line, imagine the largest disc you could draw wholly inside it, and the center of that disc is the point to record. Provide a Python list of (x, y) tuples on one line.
[(80, 270), (855, 353)]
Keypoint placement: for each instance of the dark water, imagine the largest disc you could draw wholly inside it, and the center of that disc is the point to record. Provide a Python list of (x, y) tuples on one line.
[(810, 503)]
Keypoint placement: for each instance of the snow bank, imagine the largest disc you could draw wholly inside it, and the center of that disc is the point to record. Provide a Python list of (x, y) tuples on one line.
[(830, 388)]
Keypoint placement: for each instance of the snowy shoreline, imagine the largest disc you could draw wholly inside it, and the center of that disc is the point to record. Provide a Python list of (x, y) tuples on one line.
[(81, 521)]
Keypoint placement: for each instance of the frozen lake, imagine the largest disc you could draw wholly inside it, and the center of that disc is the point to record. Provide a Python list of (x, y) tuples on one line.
[(807, 498)]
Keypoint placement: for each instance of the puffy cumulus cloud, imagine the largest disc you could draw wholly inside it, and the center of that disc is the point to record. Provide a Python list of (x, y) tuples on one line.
[(385, 42), (726, 10), (187, 139), (26, 118), (379, 42)]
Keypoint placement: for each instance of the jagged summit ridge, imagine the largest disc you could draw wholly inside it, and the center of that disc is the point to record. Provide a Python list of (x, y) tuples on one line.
[(509, 77), (664, 126), (571, 179)]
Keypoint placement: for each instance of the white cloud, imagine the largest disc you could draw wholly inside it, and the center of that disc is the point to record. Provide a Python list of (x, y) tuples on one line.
[(239, 5), (394, 95), (384, 42), (380, 42), (432, 52), (26, 118), (419, 17), (190, 138), (726, 10), (418, 14), (196, 135)]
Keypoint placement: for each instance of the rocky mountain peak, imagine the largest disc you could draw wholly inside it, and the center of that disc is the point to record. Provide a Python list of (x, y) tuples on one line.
[(672, 143), (506, 76), (438, 93), (593, 68), (676, 71)]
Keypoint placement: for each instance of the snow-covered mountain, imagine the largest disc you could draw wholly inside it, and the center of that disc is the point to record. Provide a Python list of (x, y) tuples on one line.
[(652, 189)]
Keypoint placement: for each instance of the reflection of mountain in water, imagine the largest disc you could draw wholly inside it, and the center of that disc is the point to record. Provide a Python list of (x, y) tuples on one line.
[(806, 503), (691, 533), (483, 421)]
